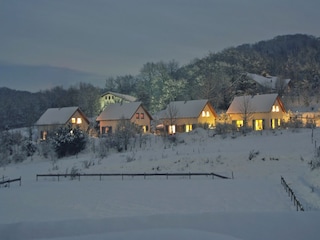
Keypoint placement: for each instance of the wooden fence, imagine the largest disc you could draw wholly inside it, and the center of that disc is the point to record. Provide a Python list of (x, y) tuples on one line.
[(291, 194), (122, 175), (6, 181)]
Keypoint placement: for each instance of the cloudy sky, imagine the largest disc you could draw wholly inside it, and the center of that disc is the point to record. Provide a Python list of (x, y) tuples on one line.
[(116, 37)]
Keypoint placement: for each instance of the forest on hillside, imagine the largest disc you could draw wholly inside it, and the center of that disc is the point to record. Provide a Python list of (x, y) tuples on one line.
[(217, 77)]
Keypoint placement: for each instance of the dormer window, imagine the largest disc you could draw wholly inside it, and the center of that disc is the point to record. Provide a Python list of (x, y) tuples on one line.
[(205, 114), (76, 120), (275, 108)]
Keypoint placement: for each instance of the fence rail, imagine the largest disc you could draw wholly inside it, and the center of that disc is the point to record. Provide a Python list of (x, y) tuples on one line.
[(291, 194), (122, 175), (6, 182)]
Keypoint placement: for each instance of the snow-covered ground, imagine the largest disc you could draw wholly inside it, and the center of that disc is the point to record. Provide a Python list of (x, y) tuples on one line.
[(253, 205)]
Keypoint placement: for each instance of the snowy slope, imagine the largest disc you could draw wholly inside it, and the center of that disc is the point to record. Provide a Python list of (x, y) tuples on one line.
[(253, 205)]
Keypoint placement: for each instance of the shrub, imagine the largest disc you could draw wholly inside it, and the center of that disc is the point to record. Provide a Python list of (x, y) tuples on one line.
[(18, 157), (125, 130), (253, 154), (293, 123), (68, 141), (87, 164), (315, 163), (203, 125), (29, 148), (14, 147), (223, 128), (132, 157), (75, 172)]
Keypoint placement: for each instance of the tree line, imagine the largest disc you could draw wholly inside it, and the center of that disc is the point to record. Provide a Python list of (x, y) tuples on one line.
[(217, 77)]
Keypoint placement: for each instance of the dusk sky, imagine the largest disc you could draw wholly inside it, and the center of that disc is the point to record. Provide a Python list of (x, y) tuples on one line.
[(111, 38)]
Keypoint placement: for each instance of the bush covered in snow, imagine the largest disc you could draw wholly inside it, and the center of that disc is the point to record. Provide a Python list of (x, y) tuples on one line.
[(68, 141), (15, 147), (224, 128)]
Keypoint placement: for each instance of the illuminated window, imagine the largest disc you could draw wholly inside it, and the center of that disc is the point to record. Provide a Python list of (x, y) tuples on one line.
[(144, 129), (258, 125), (188, 127), (205, 114), (73, 120), (275, 108), (172, 129), (79, 120), (44, 135), (275, 123), (239, 123)]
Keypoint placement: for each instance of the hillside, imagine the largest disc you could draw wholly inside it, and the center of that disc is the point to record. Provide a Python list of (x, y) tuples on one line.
[(217, 77), (290, 56), (253, 205)]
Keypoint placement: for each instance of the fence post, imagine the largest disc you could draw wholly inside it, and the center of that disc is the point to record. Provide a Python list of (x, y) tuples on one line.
[(292, 196)]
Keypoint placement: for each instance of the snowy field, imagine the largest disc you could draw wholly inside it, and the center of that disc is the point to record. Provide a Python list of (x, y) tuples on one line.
[(252, 205)]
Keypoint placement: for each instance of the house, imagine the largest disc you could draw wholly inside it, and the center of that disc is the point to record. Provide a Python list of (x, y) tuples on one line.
[(54, 118), (112, 97), (260, 112), (309, 115), (309, 119), (114, 113), (184, 116), (270, 82)]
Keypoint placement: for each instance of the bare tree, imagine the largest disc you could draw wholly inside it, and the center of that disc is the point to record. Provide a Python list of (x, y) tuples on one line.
[(246, 110), (125, 130), (281, 86), (171, 114)]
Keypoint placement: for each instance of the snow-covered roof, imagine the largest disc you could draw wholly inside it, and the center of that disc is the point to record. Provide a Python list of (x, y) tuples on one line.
[(267, 81), (118, 111), (254, 104), (120, 95), (56, 116), (184, 109)]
